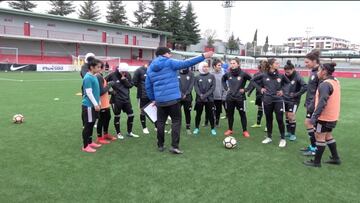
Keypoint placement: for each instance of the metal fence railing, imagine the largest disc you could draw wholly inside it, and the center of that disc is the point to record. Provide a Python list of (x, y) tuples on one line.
[(65, 35)]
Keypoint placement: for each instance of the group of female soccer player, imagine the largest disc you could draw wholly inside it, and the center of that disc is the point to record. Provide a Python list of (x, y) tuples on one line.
[(96, 102), (276, 93)]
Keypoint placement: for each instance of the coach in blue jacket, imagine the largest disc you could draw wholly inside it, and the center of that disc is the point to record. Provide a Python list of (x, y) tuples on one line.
[(162, 87)]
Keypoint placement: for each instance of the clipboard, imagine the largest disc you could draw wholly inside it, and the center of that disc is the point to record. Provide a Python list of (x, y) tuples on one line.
[(150, 111)]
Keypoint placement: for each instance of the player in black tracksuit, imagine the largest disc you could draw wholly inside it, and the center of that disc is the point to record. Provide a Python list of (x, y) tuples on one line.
[(120, 99), (271, 84), (312, 61), (258, 97), (85, 67), (139, 81), (234, 83), (292, 97), (186, 80), (204, 87)]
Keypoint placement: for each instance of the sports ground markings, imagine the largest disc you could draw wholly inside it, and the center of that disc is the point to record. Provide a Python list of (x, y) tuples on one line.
[(44, 80)]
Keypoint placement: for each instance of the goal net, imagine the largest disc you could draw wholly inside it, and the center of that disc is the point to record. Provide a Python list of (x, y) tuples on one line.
[(112, 62), (9, 55)]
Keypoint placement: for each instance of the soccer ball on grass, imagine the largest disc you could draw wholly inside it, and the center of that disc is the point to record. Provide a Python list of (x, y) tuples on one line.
[(229, 142), (18, 118)]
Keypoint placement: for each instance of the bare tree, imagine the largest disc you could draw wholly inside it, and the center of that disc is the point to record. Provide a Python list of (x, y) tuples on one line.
[(210, 35)]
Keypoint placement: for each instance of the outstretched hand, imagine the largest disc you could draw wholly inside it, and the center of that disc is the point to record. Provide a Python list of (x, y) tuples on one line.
[(208, 54)]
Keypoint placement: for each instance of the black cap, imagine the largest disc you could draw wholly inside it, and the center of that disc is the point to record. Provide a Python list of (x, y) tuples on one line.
[(161, 51)]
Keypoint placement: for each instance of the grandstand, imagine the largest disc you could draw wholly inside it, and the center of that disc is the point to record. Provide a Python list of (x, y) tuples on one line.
[(34, 38)]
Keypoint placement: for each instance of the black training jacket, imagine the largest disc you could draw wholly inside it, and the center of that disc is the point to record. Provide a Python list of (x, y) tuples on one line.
[(204, 84), (272, 82), (251, 87), (311, 90), (186, 81), (84, 70), (295, 88), (139, 82), (121, 88), (233, 81)]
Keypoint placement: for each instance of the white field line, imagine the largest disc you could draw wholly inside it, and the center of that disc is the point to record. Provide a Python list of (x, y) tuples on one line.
[(44, 80)]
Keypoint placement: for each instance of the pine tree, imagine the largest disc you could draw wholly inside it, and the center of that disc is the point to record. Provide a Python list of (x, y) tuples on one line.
[(89, 11), (141, 15), (266, 45), (22, 5), (158, 13), (116, 13), (61, 7), (191, 27), (175, 23), (232, 44), (254, 43)]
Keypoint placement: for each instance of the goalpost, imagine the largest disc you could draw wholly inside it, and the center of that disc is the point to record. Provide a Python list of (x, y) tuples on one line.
[(113, 62), (9, 55)]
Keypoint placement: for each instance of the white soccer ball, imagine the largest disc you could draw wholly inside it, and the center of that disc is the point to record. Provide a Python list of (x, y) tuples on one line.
[(18, 118), (229, 142)]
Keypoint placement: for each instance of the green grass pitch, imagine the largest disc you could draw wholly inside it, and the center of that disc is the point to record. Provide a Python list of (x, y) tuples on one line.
[(41, 160)]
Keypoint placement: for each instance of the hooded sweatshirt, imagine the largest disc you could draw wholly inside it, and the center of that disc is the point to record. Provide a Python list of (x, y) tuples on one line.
[(220, 92), (162, 84)]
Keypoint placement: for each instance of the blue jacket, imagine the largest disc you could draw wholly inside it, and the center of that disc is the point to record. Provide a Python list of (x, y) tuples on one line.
[(225, 67), (161, 83)]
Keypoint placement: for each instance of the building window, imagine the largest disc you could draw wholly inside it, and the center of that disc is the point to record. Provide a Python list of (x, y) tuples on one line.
[(119, 33), (51, 25), (154, 35), (145, 36), (8, 19), (328, 42), (92, 30)]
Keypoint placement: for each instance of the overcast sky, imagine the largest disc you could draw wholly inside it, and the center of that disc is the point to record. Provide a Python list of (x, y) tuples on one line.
[(279, 20)]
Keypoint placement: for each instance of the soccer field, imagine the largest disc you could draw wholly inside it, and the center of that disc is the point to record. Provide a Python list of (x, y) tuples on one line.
[(41, 160)]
